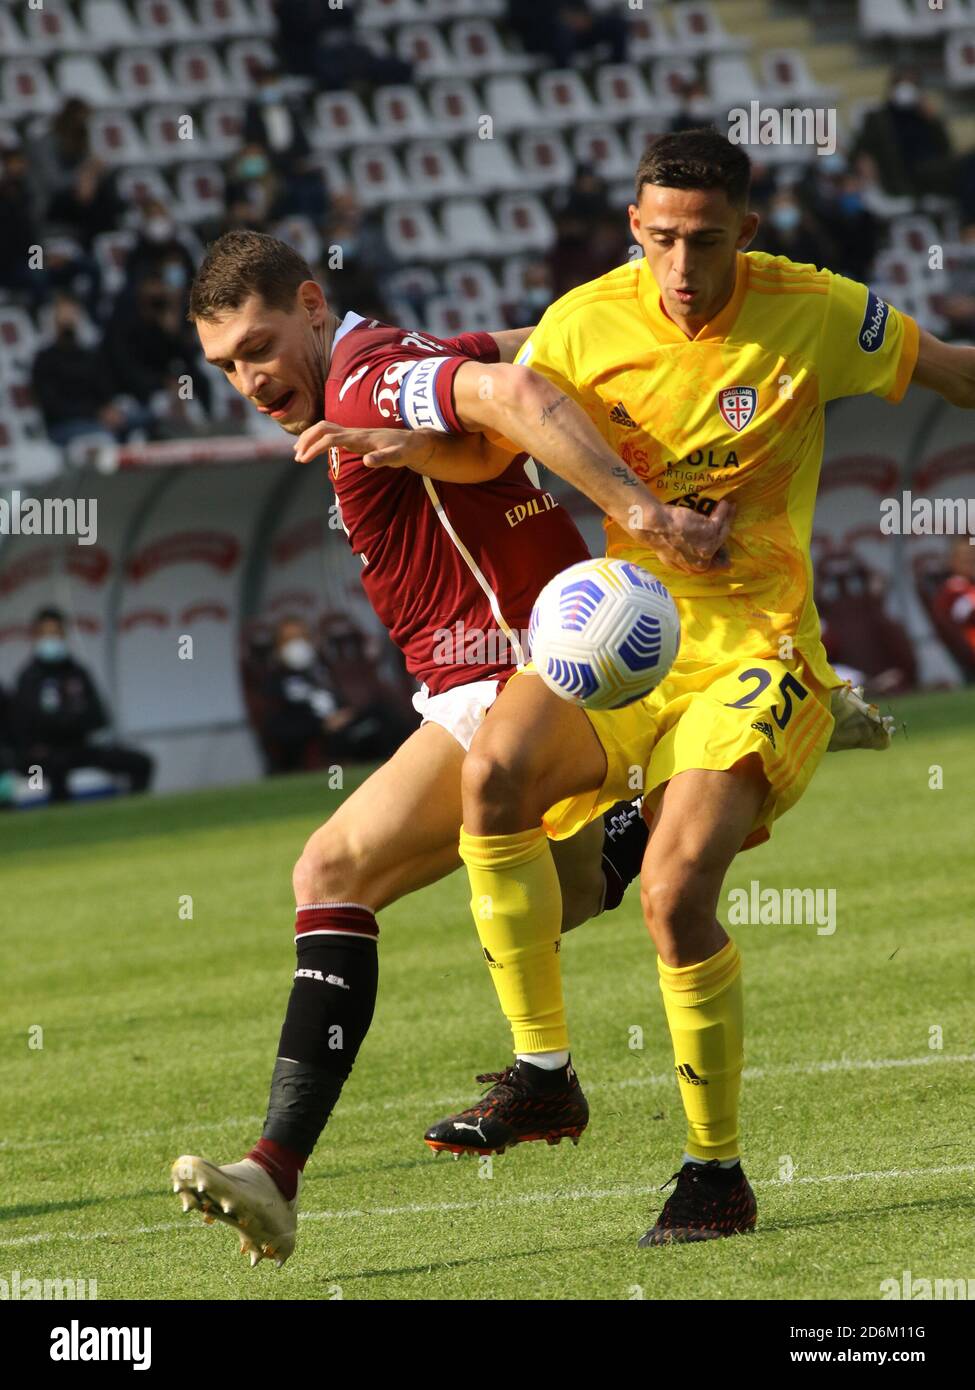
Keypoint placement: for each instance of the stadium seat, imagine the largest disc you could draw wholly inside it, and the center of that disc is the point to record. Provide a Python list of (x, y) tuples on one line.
[(914, 236), (111, 251), (299, 233), (18, 338), (432, 170), (412, 234), (224, 19), (731, 81), (445, 318), (601, 148), (510, 104), (340, 120), (477, 50), (199, 191), (787, 81), (469, 229), (143, 184), (413, 284), (471, 282), (524, 223), (141, 77), (897, 270), (198, 73), (400, 114), (454, 107), (264, 21), (82, 75), (668, 79), (26, 89), (164, 22), (336, 174), (162, 126), (650, 36), (244, 59), (106, 25), (14, 43), (222, 123), (52, 30), (424, 46), (960, 59), (490, 166), (376, 175), (115, 138), (621, 92), (545, 160), (697, 30), (564, 98), (19, 407), (899, 19)]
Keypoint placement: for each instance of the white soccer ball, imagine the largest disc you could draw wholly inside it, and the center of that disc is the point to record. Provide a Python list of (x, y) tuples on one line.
[(603, 633)]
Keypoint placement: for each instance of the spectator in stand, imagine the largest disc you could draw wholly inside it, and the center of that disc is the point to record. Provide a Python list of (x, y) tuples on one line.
[(74, 190), (20, 229), (75, 393), (591, 236), (858, 635), (302, 715), (159, 245), (953, 606), (536, 293), (254, 189), (789, 229), (56, 709), (148, 345), (273, 123), (316, 38), (562, 29), (357, 258), (837, 202), (908, 148)]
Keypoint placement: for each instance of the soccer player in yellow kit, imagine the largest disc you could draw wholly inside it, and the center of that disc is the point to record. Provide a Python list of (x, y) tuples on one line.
[(707, 368)]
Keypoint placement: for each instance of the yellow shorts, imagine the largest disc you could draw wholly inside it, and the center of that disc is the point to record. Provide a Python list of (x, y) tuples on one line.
[(709, 717)]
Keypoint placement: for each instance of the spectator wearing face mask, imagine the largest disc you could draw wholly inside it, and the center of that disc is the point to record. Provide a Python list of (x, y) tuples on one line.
[(360, 258), (790, 230), (74, 391), (273, 123), (302, 713), (55, 710), (158, 243), (839, 207), (907, 143)]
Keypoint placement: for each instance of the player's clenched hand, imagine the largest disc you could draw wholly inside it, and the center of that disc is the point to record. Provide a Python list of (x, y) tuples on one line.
[(686, 539), (378, 448)]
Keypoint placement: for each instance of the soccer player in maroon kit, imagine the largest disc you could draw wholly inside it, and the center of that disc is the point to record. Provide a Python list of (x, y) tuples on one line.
[(472, 546)]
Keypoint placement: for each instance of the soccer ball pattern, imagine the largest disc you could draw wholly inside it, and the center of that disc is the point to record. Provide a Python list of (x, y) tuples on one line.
[(603, 633)]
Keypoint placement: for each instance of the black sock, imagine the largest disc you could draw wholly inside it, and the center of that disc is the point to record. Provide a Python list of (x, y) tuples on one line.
[(625, 836), (329, 1013)]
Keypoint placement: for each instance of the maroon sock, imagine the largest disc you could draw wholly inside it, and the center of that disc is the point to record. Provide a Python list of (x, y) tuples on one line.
[(283, 1164)]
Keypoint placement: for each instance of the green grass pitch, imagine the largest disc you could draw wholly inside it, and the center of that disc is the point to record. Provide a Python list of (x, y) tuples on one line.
[(159, 1035)]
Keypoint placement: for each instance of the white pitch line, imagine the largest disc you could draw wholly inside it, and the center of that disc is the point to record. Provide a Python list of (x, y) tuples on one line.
[(576, 1194), (824, 1068)]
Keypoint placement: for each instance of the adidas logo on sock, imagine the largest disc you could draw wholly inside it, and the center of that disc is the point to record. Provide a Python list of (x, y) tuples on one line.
[(687, 1073)]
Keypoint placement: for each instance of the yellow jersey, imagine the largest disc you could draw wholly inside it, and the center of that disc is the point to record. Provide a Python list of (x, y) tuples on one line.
[(736, 411)]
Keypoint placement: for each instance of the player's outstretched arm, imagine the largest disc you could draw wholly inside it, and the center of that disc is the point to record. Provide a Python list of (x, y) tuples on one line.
[(948, 368), (449, 458), (510, 341), (542, 421)]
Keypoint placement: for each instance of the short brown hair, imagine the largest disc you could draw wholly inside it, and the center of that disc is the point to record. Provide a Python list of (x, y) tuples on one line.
[(239, 264), (700, 158)]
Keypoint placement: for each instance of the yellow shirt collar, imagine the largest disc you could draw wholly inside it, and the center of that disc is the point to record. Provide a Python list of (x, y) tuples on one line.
[(663, 327)]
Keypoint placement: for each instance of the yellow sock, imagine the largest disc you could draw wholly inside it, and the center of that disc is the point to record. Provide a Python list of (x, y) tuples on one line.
[(517, 907), (703, 1004)]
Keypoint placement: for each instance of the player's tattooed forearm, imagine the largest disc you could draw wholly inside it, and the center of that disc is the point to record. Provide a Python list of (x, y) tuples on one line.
[(625, 476), (551, 409)]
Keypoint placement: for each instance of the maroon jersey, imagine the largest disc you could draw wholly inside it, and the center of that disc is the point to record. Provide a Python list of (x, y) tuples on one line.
[(452, 569)]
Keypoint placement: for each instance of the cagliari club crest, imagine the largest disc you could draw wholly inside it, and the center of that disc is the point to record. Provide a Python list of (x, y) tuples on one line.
[(737, 405)]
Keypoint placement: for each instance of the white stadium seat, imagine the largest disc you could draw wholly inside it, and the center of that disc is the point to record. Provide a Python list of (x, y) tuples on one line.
[(244, 59), (668, 79), (650, 36), (564, 98), (264, 19), (162, 126), (601, 148), (510, 104), (224, 19), (115, 138), (199, 191), (471, 282), (143, 183), (198, 74), (490, 166), (222, 124), (52, 30), (376, 175), (432, 170), (698, 29), (445, 318), (18, 337), (902, 19), (164, 22), (545, 160), (787, 81), (477, 50), (299, 233), (469, 228), (412, 234), (454, 107), (111, 251), (960, 59), (141, 77), (621, 92), (107, 24), (400, 114), (340, 121), (914, 235), (26, 89), (82, 75), (731, 81), (14, 43), (525, 223), (425, 47)]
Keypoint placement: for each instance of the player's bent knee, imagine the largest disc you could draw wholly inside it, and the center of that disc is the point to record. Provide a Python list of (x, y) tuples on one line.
[(326, 871), (489, 779)]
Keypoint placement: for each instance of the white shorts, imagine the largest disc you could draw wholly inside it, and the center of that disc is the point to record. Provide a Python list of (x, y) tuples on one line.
[(460, 711)]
